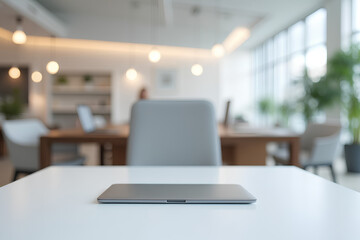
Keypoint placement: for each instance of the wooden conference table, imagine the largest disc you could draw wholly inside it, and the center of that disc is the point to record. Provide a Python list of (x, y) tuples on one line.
[(60, 203), (239, 147)]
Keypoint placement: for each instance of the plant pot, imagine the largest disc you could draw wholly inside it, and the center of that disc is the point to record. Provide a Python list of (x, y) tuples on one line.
[(352, 157)]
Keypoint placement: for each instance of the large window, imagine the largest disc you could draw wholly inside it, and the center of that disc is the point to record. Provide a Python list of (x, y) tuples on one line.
[(282, 59), (355, 21)]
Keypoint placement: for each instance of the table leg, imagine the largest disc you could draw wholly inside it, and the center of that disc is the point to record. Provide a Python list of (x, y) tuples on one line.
[(2, 144), (118, 154), (45, 153), (294, 148), (2, 148), (102, 154)]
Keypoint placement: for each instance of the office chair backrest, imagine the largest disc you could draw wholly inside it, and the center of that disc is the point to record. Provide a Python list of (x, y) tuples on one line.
[(173, 133), (22, 140), (318, 130)]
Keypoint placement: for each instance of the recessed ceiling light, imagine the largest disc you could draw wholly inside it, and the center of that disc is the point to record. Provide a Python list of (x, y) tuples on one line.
[(237, 37), (218, 50)]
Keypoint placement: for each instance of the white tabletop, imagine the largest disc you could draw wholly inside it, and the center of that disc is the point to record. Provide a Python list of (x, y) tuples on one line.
[(60, 203)]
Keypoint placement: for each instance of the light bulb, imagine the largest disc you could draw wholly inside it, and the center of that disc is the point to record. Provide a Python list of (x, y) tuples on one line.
[(36, 76), (14, 72), (131, 74), (218, 50), (197, 69), (19, 37), (52, 67), (154, 56)]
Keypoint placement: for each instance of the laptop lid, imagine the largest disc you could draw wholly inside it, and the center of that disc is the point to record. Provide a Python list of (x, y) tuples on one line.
[(86, 118), (176, 193)]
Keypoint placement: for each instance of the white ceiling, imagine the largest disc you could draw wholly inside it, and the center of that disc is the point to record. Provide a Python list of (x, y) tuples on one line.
[(169, 22)]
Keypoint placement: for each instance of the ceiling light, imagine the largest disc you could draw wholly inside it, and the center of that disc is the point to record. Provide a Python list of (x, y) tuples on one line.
[(19, 36), (52, 67), (196, 70), (131, 74), (154, 56), (36, 76), (14, 72), (237, 37), (218, 50)]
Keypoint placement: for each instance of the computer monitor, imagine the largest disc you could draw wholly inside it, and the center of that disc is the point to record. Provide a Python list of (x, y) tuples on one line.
[(227, 112), (86, 118)]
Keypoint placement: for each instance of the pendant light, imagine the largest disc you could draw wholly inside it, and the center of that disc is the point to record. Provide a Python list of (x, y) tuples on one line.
[(36, 77), (197, 69), (19, 36), (52, 66), (154, 55), (131, 74), (14, 72), (218, 50)]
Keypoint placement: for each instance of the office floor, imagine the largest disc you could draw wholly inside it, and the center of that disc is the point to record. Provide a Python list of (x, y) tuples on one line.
[(90, 151)]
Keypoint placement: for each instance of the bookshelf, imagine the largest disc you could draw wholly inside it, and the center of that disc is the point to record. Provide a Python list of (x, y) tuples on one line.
[(70, 89)]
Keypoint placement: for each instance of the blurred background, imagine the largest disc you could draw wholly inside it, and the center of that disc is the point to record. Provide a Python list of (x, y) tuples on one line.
[(263, 64)]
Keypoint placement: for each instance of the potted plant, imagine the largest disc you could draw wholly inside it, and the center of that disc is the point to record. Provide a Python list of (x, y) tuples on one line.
[(88, 80), (266, 107), (61, 80), (318, 95), (285, 111), (12, 107), (343, 72)]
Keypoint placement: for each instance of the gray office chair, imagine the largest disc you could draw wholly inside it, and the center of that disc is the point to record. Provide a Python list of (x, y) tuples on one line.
[(173, 133), (22, 141), (319, 145)]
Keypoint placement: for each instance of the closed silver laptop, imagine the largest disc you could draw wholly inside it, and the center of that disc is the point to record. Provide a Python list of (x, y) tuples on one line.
[(176, 193)]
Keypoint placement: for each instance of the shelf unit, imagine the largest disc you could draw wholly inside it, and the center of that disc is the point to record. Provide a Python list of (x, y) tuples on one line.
[(69, 89)]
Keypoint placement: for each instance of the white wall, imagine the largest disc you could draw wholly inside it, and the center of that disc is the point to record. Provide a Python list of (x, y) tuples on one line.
[(236, 75), (116, 62)]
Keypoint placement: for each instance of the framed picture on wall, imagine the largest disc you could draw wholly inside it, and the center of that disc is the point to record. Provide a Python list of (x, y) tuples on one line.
[(166, 81)]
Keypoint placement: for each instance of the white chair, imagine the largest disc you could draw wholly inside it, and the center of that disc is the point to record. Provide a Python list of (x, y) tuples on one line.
[(319, 145), (22, 139), (173, 133)]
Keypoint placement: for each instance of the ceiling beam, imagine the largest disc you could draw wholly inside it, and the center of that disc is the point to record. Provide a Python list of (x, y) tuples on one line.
[(39, 15)]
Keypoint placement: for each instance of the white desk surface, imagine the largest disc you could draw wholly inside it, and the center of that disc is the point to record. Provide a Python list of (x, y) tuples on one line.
[(60, 203)]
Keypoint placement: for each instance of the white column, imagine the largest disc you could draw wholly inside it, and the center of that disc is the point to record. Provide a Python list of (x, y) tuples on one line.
[(334, 40)]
